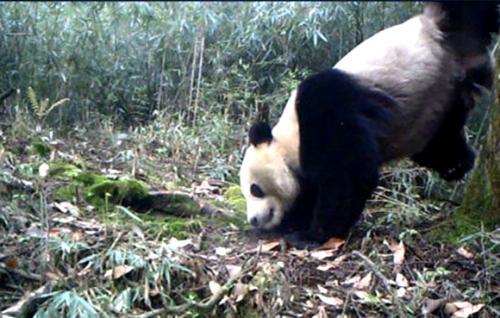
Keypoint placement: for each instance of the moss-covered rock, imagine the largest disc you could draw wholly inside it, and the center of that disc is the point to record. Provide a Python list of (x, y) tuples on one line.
[(63, 169), (96, 189), (123, 191)]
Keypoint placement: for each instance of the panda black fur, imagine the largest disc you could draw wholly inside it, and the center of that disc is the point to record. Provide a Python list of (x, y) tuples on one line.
[(315, 170)]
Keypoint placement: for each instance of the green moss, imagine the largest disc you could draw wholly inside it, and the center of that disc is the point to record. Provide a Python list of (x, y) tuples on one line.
[(95, 187), (235, 198), (63, 169), (66, 193), (89, 178), (179, 205), (171, 226), (122, 191), (40, 148), (238, 219)]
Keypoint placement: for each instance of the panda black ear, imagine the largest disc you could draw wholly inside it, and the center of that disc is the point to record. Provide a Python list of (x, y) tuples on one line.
[(260, 132)]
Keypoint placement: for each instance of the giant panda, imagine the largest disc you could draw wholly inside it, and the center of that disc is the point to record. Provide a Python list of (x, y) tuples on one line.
[(404, 92)]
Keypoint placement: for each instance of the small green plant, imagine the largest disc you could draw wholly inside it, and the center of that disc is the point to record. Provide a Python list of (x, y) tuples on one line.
[(42, 108)]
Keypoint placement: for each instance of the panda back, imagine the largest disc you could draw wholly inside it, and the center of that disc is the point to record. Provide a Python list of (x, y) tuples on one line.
[(408, 62)]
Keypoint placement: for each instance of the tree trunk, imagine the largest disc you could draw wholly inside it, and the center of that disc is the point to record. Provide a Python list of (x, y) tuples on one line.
[(481, 204)]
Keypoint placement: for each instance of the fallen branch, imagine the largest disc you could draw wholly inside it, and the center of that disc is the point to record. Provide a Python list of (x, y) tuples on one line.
[(210, 303), (26, 306), (178, 204), (13, 183), (21, 273), (384, 281)]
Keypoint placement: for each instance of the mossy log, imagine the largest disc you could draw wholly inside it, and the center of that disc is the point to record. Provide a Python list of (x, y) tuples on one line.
[(177, 204)]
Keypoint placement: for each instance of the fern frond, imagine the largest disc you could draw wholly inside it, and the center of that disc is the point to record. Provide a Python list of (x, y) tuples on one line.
[(56, 104), (33, 100)]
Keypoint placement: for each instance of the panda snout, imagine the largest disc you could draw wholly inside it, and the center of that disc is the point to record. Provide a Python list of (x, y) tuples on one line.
[(262, 220), (254, 221)]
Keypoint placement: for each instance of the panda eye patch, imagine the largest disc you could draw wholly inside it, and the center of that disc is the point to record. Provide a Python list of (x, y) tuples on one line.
[(256, 191)]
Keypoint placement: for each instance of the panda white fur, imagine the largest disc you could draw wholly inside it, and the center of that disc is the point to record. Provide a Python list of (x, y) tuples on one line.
[(404, 92)]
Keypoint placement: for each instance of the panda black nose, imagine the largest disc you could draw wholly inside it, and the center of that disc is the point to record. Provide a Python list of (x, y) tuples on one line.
[(254, 221)]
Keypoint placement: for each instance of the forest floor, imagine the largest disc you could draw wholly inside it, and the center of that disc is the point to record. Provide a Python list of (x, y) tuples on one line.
[(72, 244)]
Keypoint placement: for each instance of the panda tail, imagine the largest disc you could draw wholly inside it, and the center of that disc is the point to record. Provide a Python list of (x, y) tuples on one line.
[(468, 28)]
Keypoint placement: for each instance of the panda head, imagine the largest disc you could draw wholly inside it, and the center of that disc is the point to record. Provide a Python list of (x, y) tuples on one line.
[(269, 185)]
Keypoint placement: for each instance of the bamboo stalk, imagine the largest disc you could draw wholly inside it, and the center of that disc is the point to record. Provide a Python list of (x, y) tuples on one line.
[(198, 84), (193, 66)]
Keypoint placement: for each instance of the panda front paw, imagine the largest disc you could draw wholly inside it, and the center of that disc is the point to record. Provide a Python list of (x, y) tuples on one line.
[(458, 171), (304, 240)]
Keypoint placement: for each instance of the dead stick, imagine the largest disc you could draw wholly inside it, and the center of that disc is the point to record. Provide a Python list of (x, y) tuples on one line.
[(21, 273)]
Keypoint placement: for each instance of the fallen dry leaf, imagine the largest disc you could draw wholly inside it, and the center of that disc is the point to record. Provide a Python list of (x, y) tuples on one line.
[(52, 276), (401, 281), (267, 247), (398, 249), (323, 254), (322, 289), (233, 270), (401, 292), (364, 282), (321, 313), (86, 270), (175, 244), (224, 300), (465, 253), (77, 235), (299, 253), (352, 280), (332, 264), (332, 244), (240, 290), (222, 251), (332, 301), (362, 295), (431, 305), (118, 271), (138, 231), (35, 231), (462, 309), (66, 207), (11, 262), (64, 220), (57, 232), (43, 170), (214, 287)]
